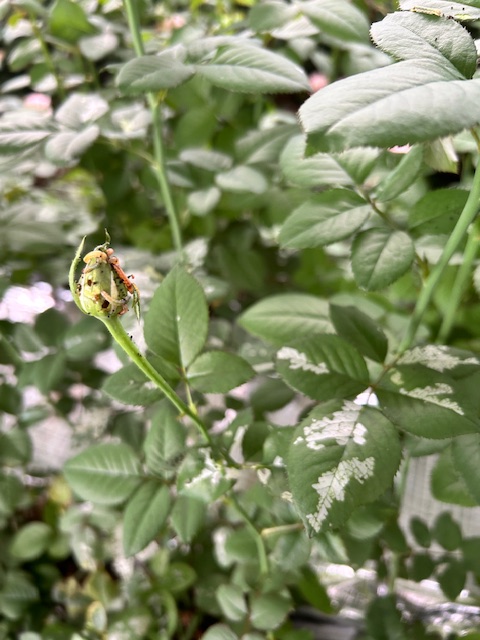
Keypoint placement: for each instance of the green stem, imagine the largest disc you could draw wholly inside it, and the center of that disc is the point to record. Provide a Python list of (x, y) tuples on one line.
[(261, 550), (122, 338), (159, 166), (47, 57), (11, 352), (461, 281), (465, 220)]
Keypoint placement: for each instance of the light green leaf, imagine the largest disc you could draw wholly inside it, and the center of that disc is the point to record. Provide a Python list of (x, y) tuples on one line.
[(406, 36), (251, 69), (465, 452), (219, 372), (145, 514), (360, 331), (187, 517), (219, 632), (447, 484), (315, 171), (281, 318), (68, 21), (67, 146), (381, 256), (232, 602), (130, 386), (242, 179), (323, 367), (337, 18), (342, 455), (268, 611), (31, 541), (270, 15), (405, 173), (84, 339), (325, 218), (206, 159), (104, 473), (390, 106), (177, 320), (202, 202), (469, 10), (263, 146), (80, 109), (98, 47), (154, 73), (164, 444), (15, 137)]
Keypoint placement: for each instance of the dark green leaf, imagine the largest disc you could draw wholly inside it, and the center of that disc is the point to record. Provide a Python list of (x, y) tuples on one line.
[(404, 174), (187, 517), (437, 212), (131, 386), (452, 579), (343, 455), (145, 514), (381, 256), (447, 532), (281, 318), (177, 320), (104, 473), (68, 21), (422, 567), (165, 441), (420, 532), (360, 331), (218, 372), (323, 367)]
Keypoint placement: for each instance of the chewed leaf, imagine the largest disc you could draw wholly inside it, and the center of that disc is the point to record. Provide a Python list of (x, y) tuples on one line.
[(343, 455)]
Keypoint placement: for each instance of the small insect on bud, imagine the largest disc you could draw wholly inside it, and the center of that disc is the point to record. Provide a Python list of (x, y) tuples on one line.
[(103, 289)]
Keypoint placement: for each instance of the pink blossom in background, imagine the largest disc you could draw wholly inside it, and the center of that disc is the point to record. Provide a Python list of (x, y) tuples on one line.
[(405, 148), (317, 81), (37, 101)]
